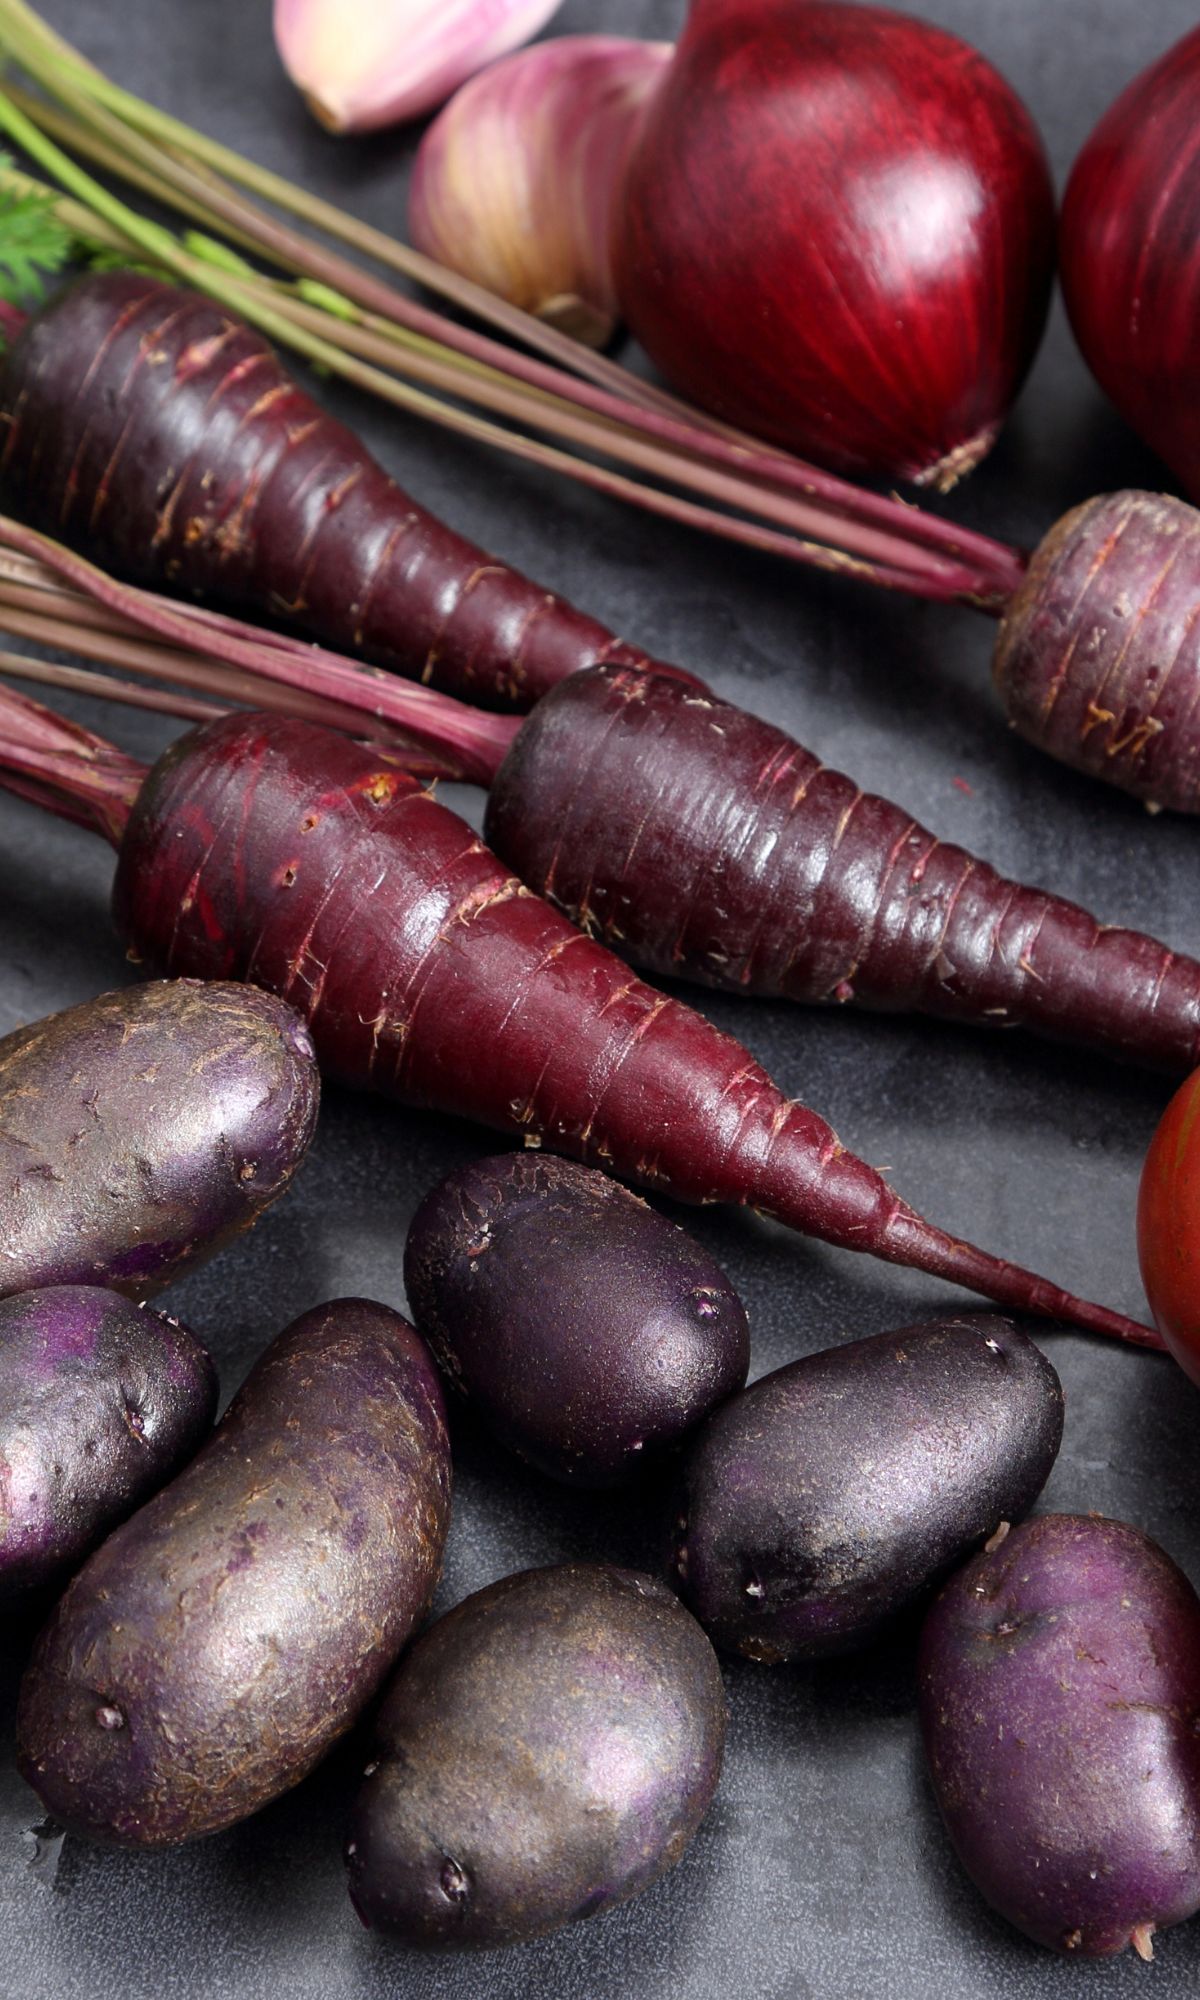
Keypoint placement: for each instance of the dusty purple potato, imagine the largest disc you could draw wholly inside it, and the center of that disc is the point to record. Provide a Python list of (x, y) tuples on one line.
[(142, 1130), (546, 1750), (833, 1493), (212, 1650), (587, 1331), (1060, 1705), (100, 1402)]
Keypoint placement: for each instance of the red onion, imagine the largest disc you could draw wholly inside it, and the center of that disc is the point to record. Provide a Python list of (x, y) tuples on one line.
[(839, 234), (1131, 256)]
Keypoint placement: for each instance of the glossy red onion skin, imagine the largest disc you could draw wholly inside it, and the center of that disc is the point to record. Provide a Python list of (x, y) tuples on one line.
[(838, 233), (1131, 256)]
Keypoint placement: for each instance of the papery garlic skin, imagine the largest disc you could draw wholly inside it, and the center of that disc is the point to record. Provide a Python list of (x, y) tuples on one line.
[(516, 182), (361, 64)]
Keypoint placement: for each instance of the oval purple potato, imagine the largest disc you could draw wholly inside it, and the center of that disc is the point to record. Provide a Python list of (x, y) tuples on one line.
[(100, 1402), (142, 1130), (589, 1332), (831, 1494), (546, 1750), (212, 1650), (1060, 1706)]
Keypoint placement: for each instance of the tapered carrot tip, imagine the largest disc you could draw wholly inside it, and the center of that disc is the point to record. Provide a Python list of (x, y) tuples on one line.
[(410, 948), (822, 1189), (929, 1249)]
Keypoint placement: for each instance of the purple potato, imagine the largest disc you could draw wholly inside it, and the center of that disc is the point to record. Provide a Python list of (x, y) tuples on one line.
[(587, 1331), (101, 1402), (834, 1493), (212, 1650), (545, 1751), (141, 1131), (1060, 1705)]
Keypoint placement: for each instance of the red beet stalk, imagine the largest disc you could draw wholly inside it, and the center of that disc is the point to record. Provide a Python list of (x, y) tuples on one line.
[(277, 852)]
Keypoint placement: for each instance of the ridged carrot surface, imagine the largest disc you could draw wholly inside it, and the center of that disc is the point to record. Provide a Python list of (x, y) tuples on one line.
[(704, 843), (144, 424), (277, 852)]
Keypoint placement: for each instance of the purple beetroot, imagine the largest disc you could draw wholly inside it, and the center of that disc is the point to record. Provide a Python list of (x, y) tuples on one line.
[(1060, 1704)]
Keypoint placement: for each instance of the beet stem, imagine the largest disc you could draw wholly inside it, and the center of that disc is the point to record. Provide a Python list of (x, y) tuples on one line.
[(262, 306), (106, 687), (867, 532), (464, 743), (418, 763), (163, 663), (65, 768)]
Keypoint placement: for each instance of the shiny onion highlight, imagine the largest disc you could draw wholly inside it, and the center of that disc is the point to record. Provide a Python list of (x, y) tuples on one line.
[(1131, 256), (838, 233)]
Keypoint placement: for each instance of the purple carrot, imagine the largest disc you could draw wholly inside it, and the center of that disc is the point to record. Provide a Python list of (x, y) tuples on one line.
[(148, 423), (280, 853), (818, 891), (701, 842)]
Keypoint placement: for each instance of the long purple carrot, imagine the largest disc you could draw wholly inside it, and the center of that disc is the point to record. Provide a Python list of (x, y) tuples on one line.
[(278, 852), (703, 843), (144, 422), (695, 839)]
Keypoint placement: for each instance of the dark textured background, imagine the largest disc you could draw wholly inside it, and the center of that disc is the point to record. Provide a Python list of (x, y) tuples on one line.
[(822, 1870)]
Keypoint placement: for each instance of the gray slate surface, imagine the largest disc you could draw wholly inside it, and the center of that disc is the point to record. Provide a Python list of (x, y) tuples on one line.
[(823, 1870)]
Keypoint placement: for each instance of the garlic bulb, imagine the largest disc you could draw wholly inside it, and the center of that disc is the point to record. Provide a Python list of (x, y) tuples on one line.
[(516, 181), (365, 63)]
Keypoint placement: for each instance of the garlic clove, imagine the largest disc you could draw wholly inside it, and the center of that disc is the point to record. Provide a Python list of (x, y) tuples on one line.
[(361, 64), (516, 182)]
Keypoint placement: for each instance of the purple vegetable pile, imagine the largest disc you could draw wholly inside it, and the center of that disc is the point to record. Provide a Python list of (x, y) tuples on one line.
[(237, 1591)]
